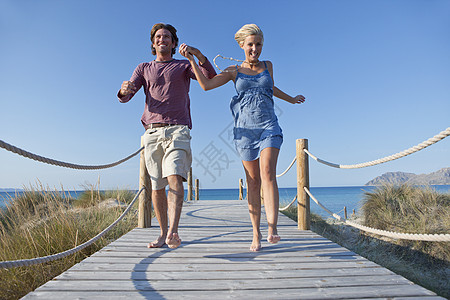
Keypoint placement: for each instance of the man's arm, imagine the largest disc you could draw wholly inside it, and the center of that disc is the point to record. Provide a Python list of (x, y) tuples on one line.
[(130, 87), (205, 66), (205, 83), (197, 53)]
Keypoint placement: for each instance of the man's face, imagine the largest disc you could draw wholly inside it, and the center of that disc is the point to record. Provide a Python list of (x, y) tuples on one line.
[(162, 41)]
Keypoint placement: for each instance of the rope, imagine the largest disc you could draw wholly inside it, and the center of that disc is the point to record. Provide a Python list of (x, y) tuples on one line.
[(289, 205), (423, 145), (391, 234), (323, 207), (288, 168), (30, 155), (48, 258)]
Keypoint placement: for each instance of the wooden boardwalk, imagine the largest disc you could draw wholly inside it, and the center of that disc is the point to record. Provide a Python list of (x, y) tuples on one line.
[(213, 262)]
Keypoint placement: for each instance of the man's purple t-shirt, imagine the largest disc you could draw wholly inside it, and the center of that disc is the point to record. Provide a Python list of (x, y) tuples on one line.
[(166, 88)]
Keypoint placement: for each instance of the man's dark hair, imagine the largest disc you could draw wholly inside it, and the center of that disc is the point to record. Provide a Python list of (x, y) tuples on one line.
[(169, 27)]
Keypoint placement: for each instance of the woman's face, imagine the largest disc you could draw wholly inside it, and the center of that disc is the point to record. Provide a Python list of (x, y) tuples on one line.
[(252, 47)]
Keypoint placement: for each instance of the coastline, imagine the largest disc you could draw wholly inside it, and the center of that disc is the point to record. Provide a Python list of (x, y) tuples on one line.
[(334, 198)]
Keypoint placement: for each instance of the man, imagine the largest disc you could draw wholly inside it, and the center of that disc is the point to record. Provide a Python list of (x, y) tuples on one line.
[(167, 121)]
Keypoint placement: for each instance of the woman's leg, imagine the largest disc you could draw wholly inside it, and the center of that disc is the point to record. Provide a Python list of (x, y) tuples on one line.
[(252, 174), (268, 164)]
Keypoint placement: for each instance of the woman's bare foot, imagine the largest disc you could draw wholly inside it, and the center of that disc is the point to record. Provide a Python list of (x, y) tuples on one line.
[(256, 243), (173, 240), (158, 243), (273, 238)]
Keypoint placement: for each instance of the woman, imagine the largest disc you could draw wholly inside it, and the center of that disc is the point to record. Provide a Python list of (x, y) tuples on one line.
[(257, 135)]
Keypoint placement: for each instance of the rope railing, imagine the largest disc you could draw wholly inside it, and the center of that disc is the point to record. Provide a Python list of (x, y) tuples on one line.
[(302, 198), (288, 168), (390, 234), (440, 136), (289, 205), (48, 258), (50, 161)]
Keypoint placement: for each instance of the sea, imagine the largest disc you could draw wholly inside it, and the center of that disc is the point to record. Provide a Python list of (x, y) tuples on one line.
[(333, 198)]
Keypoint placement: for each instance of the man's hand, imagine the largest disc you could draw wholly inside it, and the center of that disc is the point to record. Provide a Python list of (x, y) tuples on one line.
[(127, 88), (189, 52), (185, 50)]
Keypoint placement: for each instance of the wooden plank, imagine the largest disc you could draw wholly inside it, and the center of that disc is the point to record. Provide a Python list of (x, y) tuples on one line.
[(235, 258), (214, 261), (214, 275), (224, 254), (363, 292), (221, 267), (230, 284)]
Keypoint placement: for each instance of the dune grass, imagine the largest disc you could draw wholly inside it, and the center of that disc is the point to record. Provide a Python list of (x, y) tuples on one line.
[(410, 209), (92, 196), (406, 209), (41, 222)]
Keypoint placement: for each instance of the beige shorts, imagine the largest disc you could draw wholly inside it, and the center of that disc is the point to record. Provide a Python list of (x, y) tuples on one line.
[(167, 152)]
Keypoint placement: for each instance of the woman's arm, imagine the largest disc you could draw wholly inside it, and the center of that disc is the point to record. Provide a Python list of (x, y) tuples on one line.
[(205, 83), (282, 95), (279, 93)]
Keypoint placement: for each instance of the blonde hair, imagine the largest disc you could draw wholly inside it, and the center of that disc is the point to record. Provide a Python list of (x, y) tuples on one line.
[(247, 30)]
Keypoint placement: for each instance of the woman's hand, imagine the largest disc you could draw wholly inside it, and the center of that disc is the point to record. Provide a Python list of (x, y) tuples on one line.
[(298, 99)]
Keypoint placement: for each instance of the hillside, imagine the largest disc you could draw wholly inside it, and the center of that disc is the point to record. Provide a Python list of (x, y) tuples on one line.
[(441, 177)]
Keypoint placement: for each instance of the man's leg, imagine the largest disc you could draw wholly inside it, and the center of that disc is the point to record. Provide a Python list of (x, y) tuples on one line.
[(152, 140), (159, 201), (175, 197), (176, 162)]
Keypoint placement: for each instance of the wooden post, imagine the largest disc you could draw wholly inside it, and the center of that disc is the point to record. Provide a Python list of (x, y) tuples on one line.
[(197, 190), (246, 191), (303, 210), (145, 198), (241, 189), (189, 183), (345, 212)]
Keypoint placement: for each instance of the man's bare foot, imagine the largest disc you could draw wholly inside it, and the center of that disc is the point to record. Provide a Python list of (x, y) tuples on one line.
[(273, 238), (173, 240), (256, 243), (158, 243)]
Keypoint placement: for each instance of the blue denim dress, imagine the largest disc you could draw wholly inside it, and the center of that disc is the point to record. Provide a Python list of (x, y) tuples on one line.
[(255, 123)]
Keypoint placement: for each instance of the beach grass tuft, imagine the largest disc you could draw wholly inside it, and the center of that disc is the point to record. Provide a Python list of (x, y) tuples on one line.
[(410, 209), (92, 196), (42, 222)]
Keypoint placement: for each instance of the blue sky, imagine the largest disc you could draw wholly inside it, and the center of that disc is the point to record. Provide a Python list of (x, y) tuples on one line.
[(376, 76)]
